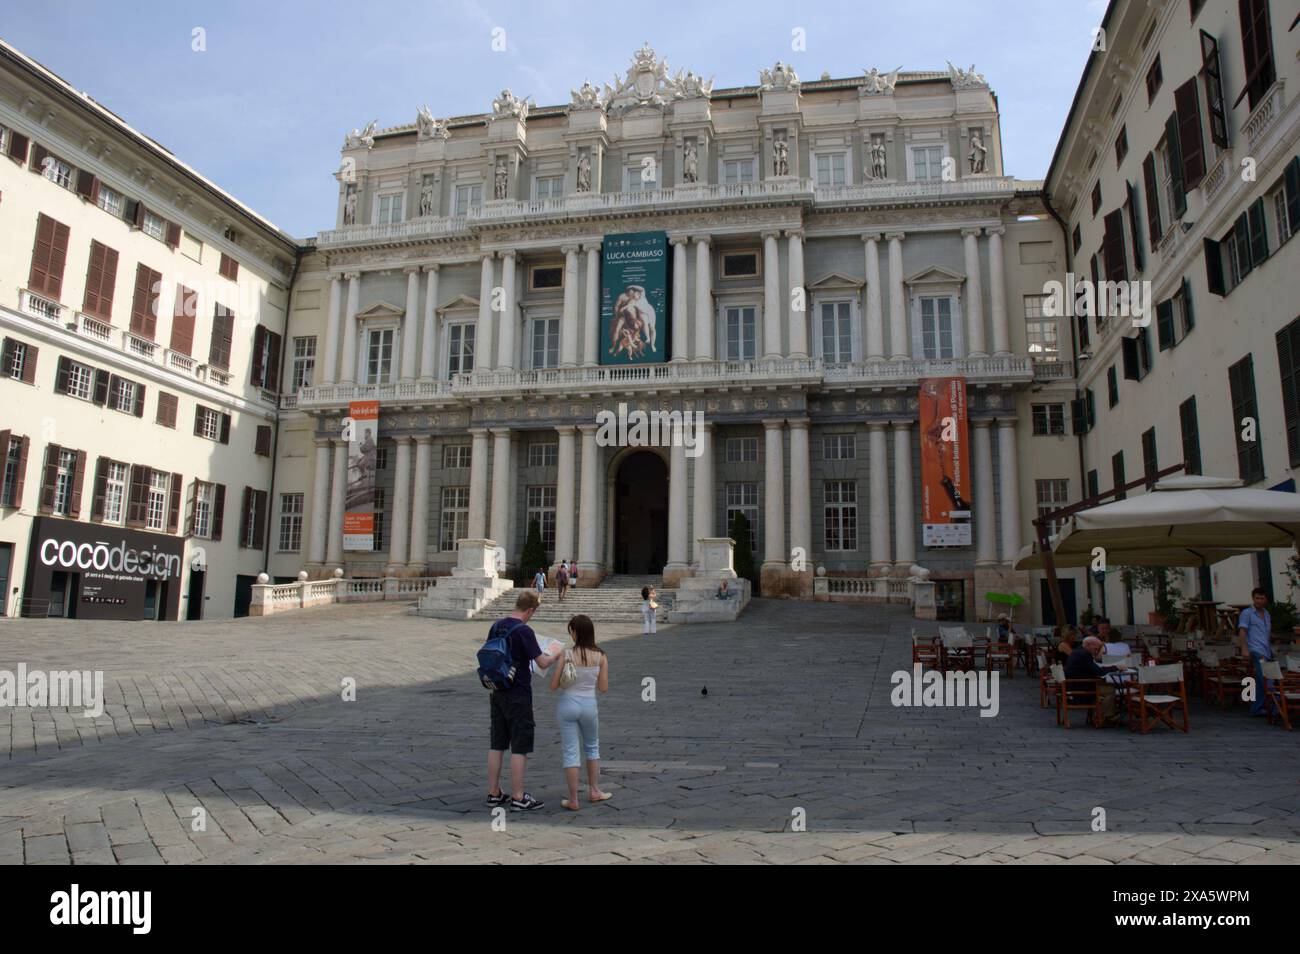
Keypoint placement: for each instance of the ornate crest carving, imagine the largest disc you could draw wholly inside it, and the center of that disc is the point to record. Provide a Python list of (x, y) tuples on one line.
[(877, 83), (508, 104), (362, 137), (646, 84), (965, 79), (779, 77)]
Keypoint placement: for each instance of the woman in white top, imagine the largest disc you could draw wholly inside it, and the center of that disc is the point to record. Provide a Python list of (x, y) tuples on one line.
[(577, 711), (539, 580), (648, 607)]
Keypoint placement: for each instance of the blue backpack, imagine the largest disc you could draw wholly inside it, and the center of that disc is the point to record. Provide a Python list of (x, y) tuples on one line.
[(496, 667)]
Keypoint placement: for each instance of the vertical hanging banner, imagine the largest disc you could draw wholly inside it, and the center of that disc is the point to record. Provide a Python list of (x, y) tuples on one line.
[(634, 295), (945, 464), (359, 508)]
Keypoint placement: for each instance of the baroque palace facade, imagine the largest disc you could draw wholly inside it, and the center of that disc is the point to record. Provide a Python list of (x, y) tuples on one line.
[(831, 244)]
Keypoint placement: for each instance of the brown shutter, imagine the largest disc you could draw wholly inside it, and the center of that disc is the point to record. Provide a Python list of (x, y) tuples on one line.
[(259, 368), (183, 320), (225, 428), (74, 508), (138, 410), (189, 507), (144, 306), (1154, 231), (259, 515), (101, 489), (4, 459), (61, 376), (1112, 248), (273, 363), (229, 267), (49, 254), (87, 186), (245, 516), (137, 215), (263, 444), (1190, 139), (198, 420), (39, 155), (101, 277), (29, 364), (223, 323), (174, 509), (173, 234), (138, 507), (7, 357), (17, 148), (49, 477), (218, 510), (22, 471), (167, 405), (102, 383)]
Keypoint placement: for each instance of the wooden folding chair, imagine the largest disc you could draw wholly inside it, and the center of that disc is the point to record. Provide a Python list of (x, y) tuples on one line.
[(1148, 707), (1282, 689), (1081, 695), (927, 651), (1000, 656), (1220, 678), (958, 649)]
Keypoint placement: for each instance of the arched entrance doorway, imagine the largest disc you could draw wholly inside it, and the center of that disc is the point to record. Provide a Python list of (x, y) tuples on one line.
[(641, 514)]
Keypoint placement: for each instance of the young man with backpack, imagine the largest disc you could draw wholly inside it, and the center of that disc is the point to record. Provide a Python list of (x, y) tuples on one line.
[(504, 669)]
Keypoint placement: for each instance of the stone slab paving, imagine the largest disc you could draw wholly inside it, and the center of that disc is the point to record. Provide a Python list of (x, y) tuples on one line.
[(245, 720)]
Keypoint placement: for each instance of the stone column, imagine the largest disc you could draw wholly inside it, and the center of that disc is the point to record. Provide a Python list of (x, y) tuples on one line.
[(679, 298), (338, 484), (400, 530), (569, 319), (429, 334), (904, 521), (703, 300), (330, 360), (702, 521), (800, 491), (320, 491), (679, 527), (483, 354), (798, 296), (509, 314), (417, 560), (1009, 490), (410, 325), (589, 505), (900, 342), (878, 462), (477, 523), (772, 309), (591, 314), (564, 500), (986, 538), (348, 373), (774, 555), (975, 346), (502, 488), (875, 336), (998, 293)]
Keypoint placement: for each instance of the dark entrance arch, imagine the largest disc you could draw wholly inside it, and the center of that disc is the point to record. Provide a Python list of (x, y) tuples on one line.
[(641, 514)]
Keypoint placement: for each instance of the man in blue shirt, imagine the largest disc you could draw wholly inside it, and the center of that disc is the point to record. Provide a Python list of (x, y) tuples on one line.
[(1253, 630)]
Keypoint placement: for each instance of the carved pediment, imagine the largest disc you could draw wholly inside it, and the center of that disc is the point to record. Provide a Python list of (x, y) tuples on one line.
[(936, 275), (380, 311), (459, 303), (834, 280)]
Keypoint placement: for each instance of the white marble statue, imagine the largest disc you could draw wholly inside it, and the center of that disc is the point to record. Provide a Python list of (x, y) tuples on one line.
[(878, 83), (585, 97), (965, 79), (978, 152), (508, 104), (879, 160), (689, 85), (427, 127), (426, 199), (350, 207), (780, 157), (361, 137), (691, 162), (779, 77), (584, 172), (502, 187)]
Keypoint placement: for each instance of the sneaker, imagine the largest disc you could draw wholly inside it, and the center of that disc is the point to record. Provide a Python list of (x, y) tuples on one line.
[(525, 804), (500, 798)]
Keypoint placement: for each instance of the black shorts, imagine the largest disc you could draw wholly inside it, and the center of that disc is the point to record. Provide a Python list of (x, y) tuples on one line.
[(512, 723)]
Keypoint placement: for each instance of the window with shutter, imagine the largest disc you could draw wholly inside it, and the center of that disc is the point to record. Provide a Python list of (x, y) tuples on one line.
[(1130, 206), (1191, 143), (1191, 432), (1288, 362), (138, 508), (1090, 408), (183, 314), (16, 147), (78, 475), (1245, 418), (49, 478), (144, 306), (1292, 180), (1128, 349), (262, 446), (174, 505), (1117, 475), (87, 186), (1174, 169), (229, 267), (102, 465), (1150, 460), (168, 405), (223, 325), (1214, 268), (1112, 248), (1112, 386), (101, 275), (1256, 50), (1154, 231), (1165, 324), (1212, 77), (218, 510), (49, 255), (1258, 233)]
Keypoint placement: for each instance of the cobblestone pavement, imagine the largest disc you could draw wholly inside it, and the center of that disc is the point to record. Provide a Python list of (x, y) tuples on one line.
[(244, 719)]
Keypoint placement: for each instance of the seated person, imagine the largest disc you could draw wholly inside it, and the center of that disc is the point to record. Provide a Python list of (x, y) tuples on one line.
[(1006, 632), (725, 592), (1067, 636), (1082, 664)]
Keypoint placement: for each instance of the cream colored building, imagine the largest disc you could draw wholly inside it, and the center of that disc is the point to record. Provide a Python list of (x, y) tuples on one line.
[(141, 310), (1178, 168)]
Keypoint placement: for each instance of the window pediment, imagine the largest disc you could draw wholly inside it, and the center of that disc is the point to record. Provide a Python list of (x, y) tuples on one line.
[(936, 276), (835, 282), (381, 311), (461, 303)]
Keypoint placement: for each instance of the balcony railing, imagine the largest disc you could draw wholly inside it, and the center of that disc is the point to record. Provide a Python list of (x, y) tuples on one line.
[(1264, 116), (181, 362), (39, 306), (894, 191), (326, 395), (140, 347), (900, 373), (1052, 370), (94, 328)]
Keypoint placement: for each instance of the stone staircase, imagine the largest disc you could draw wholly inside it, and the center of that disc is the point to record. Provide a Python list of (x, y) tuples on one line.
[(616, 600)]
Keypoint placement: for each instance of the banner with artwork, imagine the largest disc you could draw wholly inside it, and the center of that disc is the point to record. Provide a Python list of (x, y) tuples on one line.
[(634, 295), (945, 464), (359, 508)]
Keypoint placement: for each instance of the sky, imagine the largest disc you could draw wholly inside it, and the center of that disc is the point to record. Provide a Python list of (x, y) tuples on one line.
[(262, 108)]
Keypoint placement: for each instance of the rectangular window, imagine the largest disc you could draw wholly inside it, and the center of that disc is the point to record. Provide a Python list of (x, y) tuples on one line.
[(1049, 419), (1257, 49), (741, 330), (1245, 420), (64, 481), (1096, 198), (550, 187), (1285, 226), (159, 488), (541, 507), (1121, 146), (542, 455), (101, 276), (201, 522), (460, 349), (15, 463), (229, 268), (211, 424), (841, 515), (122, 395), (1191, 431), (379, 356), (1155, 77), (81, 380), (58, 171), (154, 226), (381, 458), (468, 198), (1051, 495), (168, 405), (927, 163), (49, 255), (937, 328), (639, 176), (16, 362), (110, 201), (290, 523), (1112, 386), (223, 330), (740, 264), (455, 517), (389, 211), (836, 447), (544, 277), (546, 342), (743, 499), (1288, 363), (1040, 332), (836, 332), (742, 450), (1117, 475), (456, 456), (253, 518), (830, 169), (1150, 458), (304, 363), (736, 171), (379, 539)]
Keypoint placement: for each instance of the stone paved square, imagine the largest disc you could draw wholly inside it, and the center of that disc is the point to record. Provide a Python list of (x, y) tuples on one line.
[(244, 719)]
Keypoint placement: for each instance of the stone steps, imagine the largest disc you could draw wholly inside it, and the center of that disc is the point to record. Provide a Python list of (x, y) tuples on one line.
[(603, 604)]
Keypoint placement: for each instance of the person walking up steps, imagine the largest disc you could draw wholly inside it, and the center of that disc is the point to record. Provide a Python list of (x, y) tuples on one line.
[(539, 580), (648, 607), (583, 673), (562, 580)]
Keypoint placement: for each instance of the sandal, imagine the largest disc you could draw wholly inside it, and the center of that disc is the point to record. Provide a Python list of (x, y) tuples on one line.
[(603, 797), (571, 806)]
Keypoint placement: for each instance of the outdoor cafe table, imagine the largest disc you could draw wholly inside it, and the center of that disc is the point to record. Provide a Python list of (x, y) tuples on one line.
[(1206, 616)]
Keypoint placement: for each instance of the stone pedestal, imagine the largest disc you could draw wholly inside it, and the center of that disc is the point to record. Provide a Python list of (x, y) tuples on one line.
[(923, 605), (472, 585), (697, 596)]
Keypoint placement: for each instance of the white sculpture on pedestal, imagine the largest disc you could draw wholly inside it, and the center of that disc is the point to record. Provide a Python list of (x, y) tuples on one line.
[(362, 137), (584, 172), (690, 162), (779, 77)]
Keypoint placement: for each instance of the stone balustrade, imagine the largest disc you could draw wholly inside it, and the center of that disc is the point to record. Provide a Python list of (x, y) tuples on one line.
[(269, 599)]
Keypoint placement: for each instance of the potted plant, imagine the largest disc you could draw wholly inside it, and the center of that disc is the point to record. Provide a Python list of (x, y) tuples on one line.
[(1165, 584)]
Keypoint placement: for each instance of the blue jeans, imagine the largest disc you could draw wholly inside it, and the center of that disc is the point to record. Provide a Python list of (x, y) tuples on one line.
[(578, 716), (1261, 704)]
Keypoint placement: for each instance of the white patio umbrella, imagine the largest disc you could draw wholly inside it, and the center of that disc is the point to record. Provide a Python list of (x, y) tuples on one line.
[(1030, 558)]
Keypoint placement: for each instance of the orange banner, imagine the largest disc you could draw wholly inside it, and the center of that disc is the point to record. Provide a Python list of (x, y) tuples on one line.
[(363, 442), (945, 464)]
